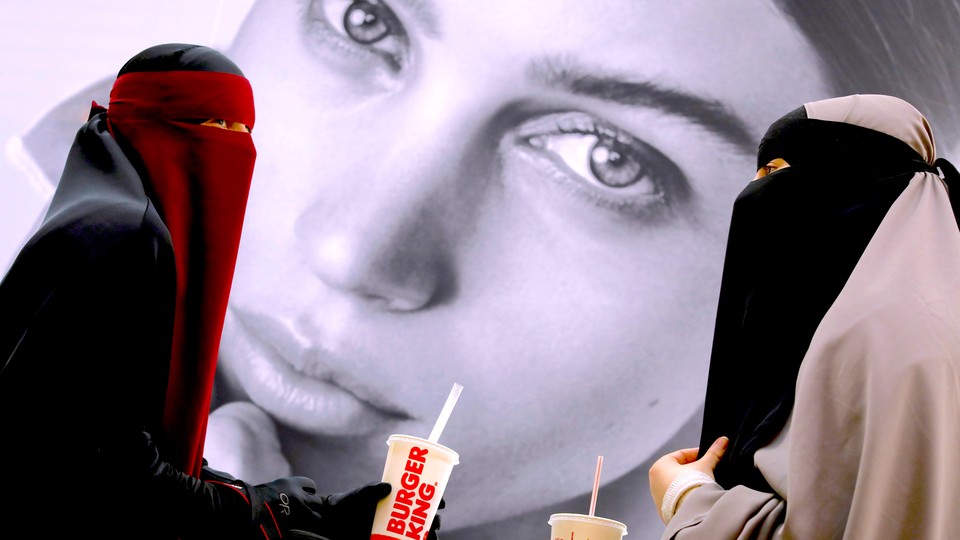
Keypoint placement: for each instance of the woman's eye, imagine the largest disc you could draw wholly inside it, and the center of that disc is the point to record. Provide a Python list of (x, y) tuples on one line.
[(364, 28), (364, 23), (600, 158), (215, 122), (608, 165), (770, 168)]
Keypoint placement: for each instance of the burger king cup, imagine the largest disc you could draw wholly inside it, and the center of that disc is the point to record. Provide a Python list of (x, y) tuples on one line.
[(585, 527), (571, 526), (418, 469)]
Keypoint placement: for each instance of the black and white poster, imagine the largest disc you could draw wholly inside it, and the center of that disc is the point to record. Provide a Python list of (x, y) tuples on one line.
[(526, 197)]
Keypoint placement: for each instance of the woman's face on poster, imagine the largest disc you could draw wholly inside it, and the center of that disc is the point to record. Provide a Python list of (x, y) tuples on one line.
[(528, 198)]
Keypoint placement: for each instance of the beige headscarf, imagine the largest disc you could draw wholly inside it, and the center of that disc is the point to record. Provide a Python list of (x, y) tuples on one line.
[(871, 447), (875, 435)]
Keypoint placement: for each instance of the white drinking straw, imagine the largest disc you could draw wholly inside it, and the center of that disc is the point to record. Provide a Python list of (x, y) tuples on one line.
[(596, 485), (445, 413)]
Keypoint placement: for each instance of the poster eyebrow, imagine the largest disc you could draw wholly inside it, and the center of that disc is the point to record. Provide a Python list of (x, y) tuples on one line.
[(709, 114)]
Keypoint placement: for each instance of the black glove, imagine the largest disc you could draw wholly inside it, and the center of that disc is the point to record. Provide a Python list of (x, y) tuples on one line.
[(287, 508), (218, 505), (290, 508), (435, 526), (284, 508), (349, 516)]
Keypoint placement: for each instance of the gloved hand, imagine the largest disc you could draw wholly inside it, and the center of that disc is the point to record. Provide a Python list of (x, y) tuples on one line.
[(284, 508), (289, 508), (218, 505), (349, 516), (435, 526)]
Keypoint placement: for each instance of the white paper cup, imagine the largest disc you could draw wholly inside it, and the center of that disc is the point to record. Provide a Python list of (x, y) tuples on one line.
[(584, 527), (418, 470)]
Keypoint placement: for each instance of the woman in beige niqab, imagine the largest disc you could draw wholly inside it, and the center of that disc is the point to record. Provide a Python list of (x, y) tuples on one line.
[(835, 371)]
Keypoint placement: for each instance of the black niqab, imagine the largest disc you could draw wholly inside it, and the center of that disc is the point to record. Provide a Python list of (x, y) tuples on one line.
[(795, 237)]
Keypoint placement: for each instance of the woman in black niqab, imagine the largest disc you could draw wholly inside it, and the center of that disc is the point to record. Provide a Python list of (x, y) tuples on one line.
[(795, 237), (835, 370)]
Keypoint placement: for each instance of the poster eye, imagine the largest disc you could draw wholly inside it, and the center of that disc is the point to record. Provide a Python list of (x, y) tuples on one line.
[(365, 22)]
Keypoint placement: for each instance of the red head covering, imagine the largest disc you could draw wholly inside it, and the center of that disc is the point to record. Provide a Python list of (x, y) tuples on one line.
[(198, 177)]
